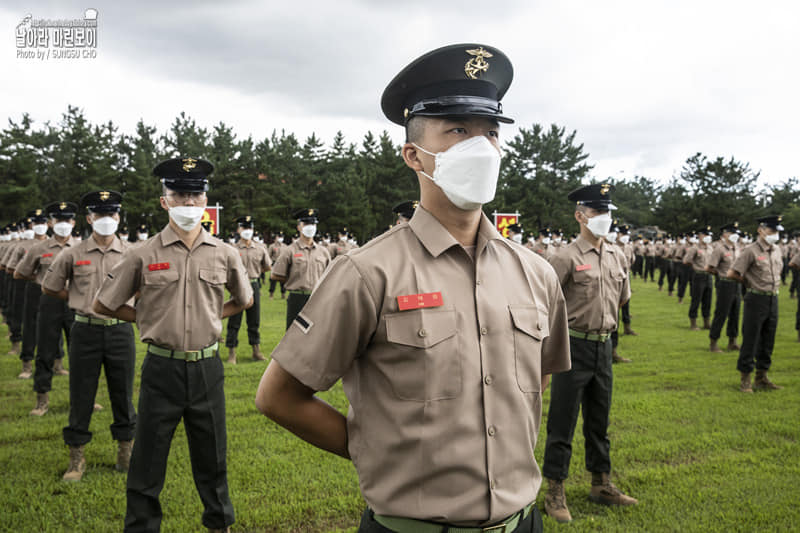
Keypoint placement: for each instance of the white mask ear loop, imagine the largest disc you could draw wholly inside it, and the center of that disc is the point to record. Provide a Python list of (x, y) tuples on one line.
[(418, 147)]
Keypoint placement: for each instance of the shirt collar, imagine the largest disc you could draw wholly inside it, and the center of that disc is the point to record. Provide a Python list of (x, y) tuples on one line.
[(55, 244), (115, 246), (584, 245), (168, 237), (763, 244), (241, 244), (436, 239)]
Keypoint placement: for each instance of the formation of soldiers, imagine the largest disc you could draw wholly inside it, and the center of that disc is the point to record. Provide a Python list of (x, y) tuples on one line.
[(444, 362)]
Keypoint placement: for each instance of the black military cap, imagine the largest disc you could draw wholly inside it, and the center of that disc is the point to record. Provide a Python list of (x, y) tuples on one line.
[(456, 80), (558, 232), (623, 229), (597, 196), (62, 210), (733, 227), (309, 216), (24, 222), (406, 209), (123, 229), (343, 231), (184, 174), (614, 226), (245, 221), (141, 228), (545, 232), (102, 201), (515, 228), (772, 221), (705, 230), (279, 234), (37, 216)]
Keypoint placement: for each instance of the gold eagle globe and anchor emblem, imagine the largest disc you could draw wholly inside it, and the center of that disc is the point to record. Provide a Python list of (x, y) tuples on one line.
[(604, 188), (104, 195), (62, 205), (477, 64), (189, 164)]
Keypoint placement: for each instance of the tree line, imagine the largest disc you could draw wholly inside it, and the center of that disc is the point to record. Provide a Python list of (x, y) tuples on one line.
[(355, 185)]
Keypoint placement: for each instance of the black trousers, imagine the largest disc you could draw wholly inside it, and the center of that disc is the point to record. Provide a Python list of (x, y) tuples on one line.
[(531, 524), (16, 309), (295, 304), (3, 291), (55, 317), (727, 309), (701, 294), (672, 277), (797, 316), (649, 267), (638, 261), (684, 278), (172, 390), (759, 323), (664, 268), (272, 283), (793, 284), (587, 386), (92, 349), (33, 291), (253, 321)]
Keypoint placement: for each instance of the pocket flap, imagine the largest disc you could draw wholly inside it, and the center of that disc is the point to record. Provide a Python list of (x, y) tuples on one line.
[(212, 275), (530, 319), (160, 277), (421, 328)]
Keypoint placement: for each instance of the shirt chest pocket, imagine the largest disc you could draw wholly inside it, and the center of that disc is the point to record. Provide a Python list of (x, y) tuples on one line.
[(422, 360), (531, 327), (160, 278), (82, 277)]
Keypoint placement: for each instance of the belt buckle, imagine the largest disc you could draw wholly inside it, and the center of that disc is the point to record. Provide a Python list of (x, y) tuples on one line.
[(193, 356), (499, 528)]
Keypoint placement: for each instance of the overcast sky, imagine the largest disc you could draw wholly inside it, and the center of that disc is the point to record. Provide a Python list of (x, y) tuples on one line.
[(646, 84)]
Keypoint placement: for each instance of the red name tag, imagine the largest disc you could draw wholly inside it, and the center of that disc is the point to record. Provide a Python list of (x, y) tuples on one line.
[(157, 266), (418, 301), (728, 254), (539, 251), (47, 255), (298, 255), (761, 257), (84, 262), (581, 268)]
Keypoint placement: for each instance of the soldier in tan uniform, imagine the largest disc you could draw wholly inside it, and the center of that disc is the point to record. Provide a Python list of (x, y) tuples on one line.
[(759, 268), (543, 243), (256, 260), (592, 276), (180, 276), (301, 264), (16, 287), (515, 232), (696, 257), (404, 211), (613, 238), (794, 264), (728, 294), (275, 250), (442, 331), (97, 341), (342, 245)]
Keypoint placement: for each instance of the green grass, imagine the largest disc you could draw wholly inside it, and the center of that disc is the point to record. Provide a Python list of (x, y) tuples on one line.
[(699, 455)]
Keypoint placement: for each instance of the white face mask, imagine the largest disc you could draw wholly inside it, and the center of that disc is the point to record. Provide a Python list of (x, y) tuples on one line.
[(105, 226), (280, 240), (545, 240), (467, 172), (682, 241), (517, 238), (309, 230), (62, 229), (231, 241), (186, 217), (772, 239), (531, 239), (733, 237), (557, 240), (28, 234), (40, 229), (707, 239), (14, 235), (247, 234), (624, 239), (612, 237), (693, 240), (599, 225)]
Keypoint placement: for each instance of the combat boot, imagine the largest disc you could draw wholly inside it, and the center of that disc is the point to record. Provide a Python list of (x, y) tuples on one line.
[(58, 368), (629, 331), (257, 353), (732, 344), (693, 324), (713, 347), (97, 407), (744, 385), (27, 370), (606, 493), (680, 299), (555, 501), (124, 448), (762, 382), (706, 323), (617, 358), (232, 356), (42, 404), (77, 464), (15, 348)]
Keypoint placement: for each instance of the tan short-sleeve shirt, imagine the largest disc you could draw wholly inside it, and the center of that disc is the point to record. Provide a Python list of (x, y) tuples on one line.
[(181, 291), (302, 265), (40, 257), (795, 260), (20, 252), (255, 258), (339, 248), (275, 250), (81, 269), (595, 285), (722, 257), (7, 251), (760, 265), (697, 256), (441, 357)]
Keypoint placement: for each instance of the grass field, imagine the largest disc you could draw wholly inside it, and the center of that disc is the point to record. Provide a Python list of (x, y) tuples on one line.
[(699, 455)]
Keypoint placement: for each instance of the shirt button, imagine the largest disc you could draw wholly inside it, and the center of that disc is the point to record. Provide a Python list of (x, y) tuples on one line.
[(422, 332), (488, 380), (492, 431), (478, 282), (493, 484), (484, 331)]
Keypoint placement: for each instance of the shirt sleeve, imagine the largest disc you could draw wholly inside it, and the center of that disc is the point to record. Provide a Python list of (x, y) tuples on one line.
[(28, 265), (332, 330), (562, 264), (555, 347), (121, 283), (15, 258), (625, 293), (237, 283), (688, 257), (266, 262), (795, 259), (59, 272), (743, 262), (716, 256), (283, 264)]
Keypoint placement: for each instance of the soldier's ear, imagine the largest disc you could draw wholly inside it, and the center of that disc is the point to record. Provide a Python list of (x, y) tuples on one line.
[(411, 157)]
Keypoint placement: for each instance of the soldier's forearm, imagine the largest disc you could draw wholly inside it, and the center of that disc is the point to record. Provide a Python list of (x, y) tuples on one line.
[(61, 295)]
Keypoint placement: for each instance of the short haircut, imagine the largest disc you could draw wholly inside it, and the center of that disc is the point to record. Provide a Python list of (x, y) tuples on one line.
[(415, 129)]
